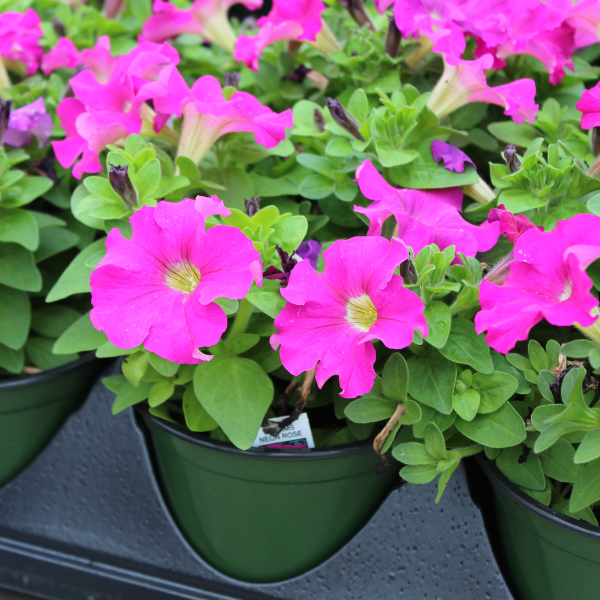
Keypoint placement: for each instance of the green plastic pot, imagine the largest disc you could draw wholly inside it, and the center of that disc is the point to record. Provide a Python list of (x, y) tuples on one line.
[(545, 555), (265, 515), (33, 408)]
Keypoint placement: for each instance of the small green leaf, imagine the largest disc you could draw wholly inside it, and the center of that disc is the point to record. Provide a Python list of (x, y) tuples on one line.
[(537, 356), (413, 453), (464, 346), (439, 319), (165, 367), (196, 417), (81, 336), (528, 474), (18, 225), (586, 489), (431, 380), (558, 462), (160, 392), (267, 298), (466, 404), (236, 393), (578, 348), (434, 442), (500, 429), (39, 352), (494, 389), (134, 366), (369, 409), (419, 474), (53, 321), (15, 317), (11, 360), (128, 395), (242, 342), (589, 449), (394, 379), (17, 268)]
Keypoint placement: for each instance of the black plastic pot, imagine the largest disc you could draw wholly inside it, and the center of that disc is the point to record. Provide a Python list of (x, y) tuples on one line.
[(265, 515), (33, 408), (546, 555)]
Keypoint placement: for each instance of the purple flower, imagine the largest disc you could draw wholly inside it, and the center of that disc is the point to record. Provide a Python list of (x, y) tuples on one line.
[(28, 122), (454, 159), (310, 251)]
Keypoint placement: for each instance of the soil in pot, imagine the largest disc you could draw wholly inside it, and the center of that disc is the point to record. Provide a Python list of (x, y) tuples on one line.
[(544, 554), (33, 408), (265, 515)]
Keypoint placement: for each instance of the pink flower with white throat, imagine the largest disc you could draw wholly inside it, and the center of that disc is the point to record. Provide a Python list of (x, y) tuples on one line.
[(206, 18), (19, 40), (331, 319), (207, 115), (547, 281), (104, 112), (158, 288), (464, 81), (424, 216), (292, 20)]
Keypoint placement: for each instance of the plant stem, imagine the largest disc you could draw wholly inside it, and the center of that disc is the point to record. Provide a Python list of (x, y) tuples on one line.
[(241, 319)]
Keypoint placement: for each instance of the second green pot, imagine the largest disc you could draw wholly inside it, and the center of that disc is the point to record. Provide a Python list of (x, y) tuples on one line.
[(546, 555), (265, 515), (32, 408)]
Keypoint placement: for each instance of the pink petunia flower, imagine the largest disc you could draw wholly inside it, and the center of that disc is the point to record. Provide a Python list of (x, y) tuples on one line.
[(103, 113), (424, 216), (65, 55), (589, 106), (332, 318), (464, 81), (159, 287), (454, 159), (539, 30), (19, 39), (293, 20), (511, 226), (28, 122), (207, 115), (547, 281), (207, 18), (584, 17)]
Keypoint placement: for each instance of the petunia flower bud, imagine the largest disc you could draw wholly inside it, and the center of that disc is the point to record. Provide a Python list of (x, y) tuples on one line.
[(343, 118), (408, 272), (357, 12), (232, 80), (120, 182), (252, 206), (288, 262), (319, 120), (393, 39), (510, 155), (595, 141), (59, 27), (4, 117)]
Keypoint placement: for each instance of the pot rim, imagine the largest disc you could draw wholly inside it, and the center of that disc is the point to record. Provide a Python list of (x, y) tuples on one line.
[(16, 382), (274, 453), (514, 493)]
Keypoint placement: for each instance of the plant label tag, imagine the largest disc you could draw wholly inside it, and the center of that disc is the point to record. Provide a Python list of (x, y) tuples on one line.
[(295, 436)]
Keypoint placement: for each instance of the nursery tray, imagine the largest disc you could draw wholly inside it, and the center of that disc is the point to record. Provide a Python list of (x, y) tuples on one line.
[(86, 521)]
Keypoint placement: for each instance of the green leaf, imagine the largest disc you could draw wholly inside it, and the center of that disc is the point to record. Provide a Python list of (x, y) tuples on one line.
[(39, 352), (511, 133), (394, 379), (464, 346), (52, 321), (100, 188), (236, 393), (17, 268), (431, 380), (537, 356), (15, 317), (586, 489), (419, 474), (413, 453), (578, 348), (500, 429), (316, 187), (345, 190), (81, 336), (267, 298), (160, 392), (54, 240), (31, 188), (12, 360), (19, 226), (129, 395), (338, 147), (528, 474), (289, 233), (589, 449), (558, 462), (165, 367), (466, 404), (519, 201), (76, 277), (358, 106), (134, 366), (242, 342), (187, 167), (494, 389), (369, 409), (434, 442), (439, 319), (196, 417), (146, 180)]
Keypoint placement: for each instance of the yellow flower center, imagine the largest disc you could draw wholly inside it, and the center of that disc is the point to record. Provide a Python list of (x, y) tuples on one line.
[(361, 312), (183, 277)]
